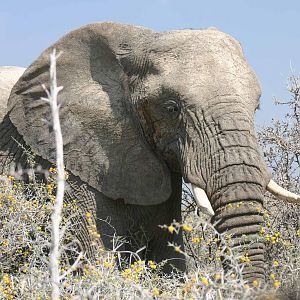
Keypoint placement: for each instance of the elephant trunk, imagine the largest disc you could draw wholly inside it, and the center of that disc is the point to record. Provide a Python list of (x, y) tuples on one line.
[(234, 177), (236, 196), (241, 222), (236, 187)]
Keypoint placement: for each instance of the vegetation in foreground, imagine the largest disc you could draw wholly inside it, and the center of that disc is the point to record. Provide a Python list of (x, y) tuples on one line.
[(25, 211)]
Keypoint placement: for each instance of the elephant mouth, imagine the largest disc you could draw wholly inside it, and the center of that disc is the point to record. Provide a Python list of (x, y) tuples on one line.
[(279, 192)]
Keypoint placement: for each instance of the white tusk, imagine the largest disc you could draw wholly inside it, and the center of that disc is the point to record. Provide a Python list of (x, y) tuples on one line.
[(202, 201), (282, 193)]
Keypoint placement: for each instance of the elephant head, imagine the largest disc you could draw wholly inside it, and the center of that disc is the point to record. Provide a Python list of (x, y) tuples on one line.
[(8, 77), (138, 106)]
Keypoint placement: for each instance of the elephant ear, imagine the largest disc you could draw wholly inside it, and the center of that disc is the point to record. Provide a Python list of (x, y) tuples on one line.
[(103, 144)]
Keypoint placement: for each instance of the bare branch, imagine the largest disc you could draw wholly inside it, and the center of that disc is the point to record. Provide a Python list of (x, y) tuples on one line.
[(60, 180)]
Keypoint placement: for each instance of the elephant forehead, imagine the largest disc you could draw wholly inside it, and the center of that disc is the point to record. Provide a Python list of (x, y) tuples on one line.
[(205, 54), (213, 76), (203, 61), (181, 42)]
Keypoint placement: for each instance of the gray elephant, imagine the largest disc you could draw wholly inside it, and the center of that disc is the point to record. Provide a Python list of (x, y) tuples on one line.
[(9, 75), (139, 111)]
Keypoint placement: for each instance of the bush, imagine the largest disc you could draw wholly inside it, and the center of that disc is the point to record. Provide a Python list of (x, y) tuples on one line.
[(25, 242), (281, 147)]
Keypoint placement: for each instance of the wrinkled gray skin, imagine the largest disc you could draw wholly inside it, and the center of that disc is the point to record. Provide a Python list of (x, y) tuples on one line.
[(8, 77), (140, 110)]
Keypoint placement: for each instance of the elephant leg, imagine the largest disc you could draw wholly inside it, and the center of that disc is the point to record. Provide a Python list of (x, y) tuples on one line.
[(10, 151), (160, 250), (139, 225), (166, 213)]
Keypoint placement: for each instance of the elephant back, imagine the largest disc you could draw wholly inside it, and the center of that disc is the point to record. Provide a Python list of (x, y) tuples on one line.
[(9, 75)]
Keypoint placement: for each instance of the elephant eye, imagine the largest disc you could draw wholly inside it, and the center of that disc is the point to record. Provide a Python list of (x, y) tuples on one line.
[(172, 107)]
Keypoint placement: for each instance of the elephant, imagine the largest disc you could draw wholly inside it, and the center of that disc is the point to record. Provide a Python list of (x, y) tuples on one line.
[(140, 110), (9, 75)]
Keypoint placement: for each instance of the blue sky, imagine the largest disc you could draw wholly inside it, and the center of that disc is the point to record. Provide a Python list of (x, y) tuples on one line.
[(269, 30)]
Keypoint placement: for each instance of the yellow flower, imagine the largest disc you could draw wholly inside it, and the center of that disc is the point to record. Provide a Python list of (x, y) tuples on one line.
[(126, 271), (274, 239), (245, 258), (11, 198), (155, 291), (277, 284), (6, 279), (298, 232), (204, 280), (275, 263), (187, 228), (177, 249), (151, 264), (50, 188), (196, 240), (272, 276), (108, 265), (262, 231), (5, 243), (88, 215), (171, 228), (255, 282), (52, 170)]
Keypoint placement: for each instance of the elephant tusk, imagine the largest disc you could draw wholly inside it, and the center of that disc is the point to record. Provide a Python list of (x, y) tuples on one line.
[(202, 201), (282, 193)]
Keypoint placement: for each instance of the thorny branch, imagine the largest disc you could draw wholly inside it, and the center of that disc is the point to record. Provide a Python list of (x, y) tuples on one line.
[(58, 205)]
